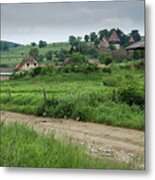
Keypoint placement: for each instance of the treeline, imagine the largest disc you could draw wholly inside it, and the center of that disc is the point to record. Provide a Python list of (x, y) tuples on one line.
[(97, 37), (6, 45)]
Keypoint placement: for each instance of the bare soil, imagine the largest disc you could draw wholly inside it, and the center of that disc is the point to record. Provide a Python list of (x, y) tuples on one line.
[(126, 145)]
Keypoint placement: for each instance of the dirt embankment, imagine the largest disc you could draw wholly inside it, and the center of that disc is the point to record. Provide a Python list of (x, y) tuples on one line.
[(99, 140)]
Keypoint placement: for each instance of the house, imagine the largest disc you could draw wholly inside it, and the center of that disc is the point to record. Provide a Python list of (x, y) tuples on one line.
[(66, 62), (104, 44), (5, 73), (139, 45), (27, 64), (131, 40), (114, 40), (96, 62)]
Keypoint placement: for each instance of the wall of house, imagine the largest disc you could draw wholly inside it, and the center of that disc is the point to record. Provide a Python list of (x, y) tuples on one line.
[(117, 46), (28, 66)]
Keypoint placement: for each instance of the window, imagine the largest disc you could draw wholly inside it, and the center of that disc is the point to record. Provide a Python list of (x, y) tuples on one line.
[(35, 64), (27, 64)]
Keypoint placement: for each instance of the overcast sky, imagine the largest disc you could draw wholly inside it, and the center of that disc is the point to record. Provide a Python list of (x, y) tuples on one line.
[(53, 22)]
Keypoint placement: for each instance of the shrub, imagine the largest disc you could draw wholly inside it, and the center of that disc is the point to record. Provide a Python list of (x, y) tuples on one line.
[(132, 95), (105, 57), (108, 60), (36, 71), (106, 70)]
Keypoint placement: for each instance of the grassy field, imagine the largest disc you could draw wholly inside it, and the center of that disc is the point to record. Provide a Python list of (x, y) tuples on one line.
[(93, 97), (15, 55), (29, 149)]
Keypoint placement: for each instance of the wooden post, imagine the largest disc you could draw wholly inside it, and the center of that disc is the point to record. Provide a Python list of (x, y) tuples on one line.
[(44, 95), (9, 97), (114, 95)]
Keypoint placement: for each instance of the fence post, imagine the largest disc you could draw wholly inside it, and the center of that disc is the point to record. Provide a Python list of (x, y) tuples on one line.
[(44, 95), (114, 95), (9, 97)]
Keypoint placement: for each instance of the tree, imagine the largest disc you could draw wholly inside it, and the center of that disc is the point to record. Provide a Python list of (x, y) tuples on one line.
[(135, 34), (49, 55), (103, 33), (33, 44), (72, 40), (105, 57), (62, 54), (123, 38), (40, 57), (34, 52), (86, 38), (77, 58), (93, 36), (42, 44), (96, 42)]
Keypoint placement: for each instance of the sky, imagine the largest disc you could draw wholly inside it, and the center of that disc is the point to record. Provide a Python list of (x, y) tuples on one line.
[(55, 22)]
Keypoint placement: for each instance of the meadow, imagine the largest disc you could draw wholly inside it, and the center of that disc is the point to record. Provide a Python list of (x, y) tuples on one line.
[(15, 55), (114, 97), (30, 149)]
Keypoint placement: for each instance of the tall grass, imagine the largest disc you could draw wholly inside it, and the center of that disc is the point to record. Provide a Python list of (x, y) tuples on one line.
[(23, 147), (96, 97)]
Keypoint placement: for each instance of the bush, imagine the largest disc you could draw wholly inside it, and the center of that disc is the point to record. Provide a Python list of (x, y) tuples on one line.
[(105, 57), (119, 55), (132, 95), (106, 70), (108, 60), (36, 71), (112, 81), (77, 58)]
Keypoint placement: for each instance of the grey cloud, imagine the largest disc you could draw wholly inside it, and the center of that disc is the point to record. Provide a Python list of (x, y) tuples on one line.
[(44, 18)]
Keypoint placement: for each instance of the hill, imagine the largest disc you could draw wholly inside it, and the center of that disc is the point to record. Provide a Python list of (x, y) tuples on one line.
[(7, 45), (15, 55)]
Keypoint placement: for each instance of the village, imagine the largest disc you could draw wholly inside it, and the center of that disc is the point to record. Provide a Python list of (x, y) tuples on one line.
[(112, 44)]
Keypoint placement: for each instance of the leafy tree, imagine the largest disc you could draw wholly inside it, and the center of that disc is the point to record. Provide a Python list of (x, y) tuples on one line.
[(63, 54), (103, 33), (72, 40), (96, 42), (122, 36), (42, 44), (33, 44), (34, 52), (40, 57), (93, 36), (77, 58), (86, 38), (105, 57), (135, 34), (49, 55)]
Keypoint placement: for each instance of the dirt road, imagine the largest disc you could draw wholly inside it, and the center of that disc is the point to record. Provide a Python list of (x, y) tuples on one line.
[(99, 140)]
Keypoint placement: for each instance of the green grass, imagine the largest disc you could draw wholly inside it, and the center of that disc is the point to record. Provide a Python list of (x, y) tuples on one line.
[(23, 147), (15, 55), (77, 96)]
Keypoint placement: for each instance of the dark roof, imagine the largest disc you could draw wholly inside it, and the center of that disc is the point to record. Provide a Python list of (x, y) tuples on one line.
[(137, 45), (114, 37)]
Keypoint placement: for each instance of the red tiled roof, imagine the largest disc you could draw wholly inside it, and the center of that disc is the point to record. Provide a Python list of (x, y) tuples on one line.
[(11, 69), (114, 37)]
